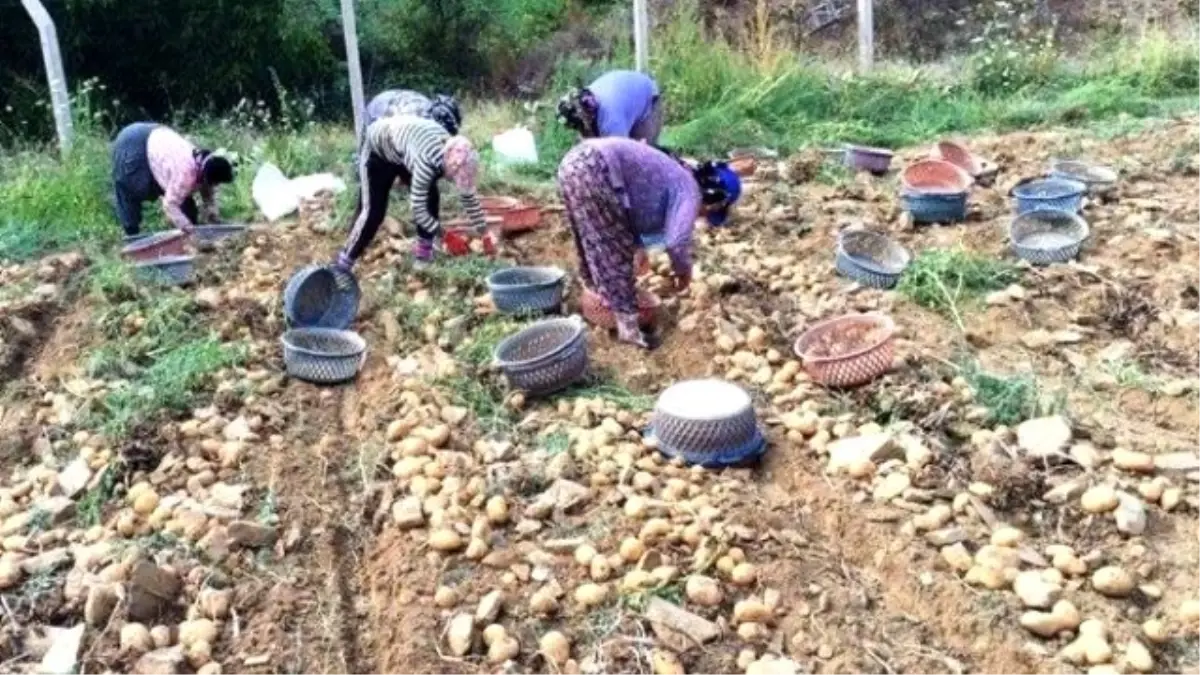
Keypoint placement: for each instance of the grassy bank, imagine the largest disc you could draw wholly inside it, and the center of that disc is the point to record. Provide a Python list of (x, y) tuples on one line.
[(717, 98)]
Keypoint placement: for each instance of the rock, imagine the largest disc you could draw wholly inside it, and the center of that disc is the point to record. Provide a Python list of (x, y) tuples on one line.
[(1113, 581), (695, 627), (566, 495), (74, 477), (101, 601), (460, 635), (165, 661), (704, 591), (62, 658), (1044, 437), (490, 607), (197, 630), (1130, 515), (407, 513), (1138, 658), (1177, 461), (151, 590), (248, 534), (135, 639), (665, 663), (556, 648), (846, 452), (1034, 591), (445, 540), (893, 485), (215, 603), (1130, 460), (1099, 499)]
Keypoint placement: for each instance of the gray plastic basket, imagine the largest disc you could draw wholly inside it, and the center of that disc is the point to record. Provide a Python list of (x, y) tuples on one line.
[(871, 258), (210, 234), (171, 270), (546, 357), (323, 355), (705, 417), (1046, 236), (321, 297), (527, 289), (1098, 179)]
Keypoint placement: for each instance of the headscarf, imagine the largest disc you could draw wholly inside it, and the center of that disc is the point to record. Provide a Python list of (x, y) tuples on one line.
[(461, 163), (215, 168), (445, 111), (720, 188), (578, 109)]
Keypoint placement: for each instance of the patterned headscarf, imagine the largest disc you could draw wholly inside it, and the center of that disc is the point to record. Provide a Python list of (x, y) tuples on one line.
[(720, 188), (445, 111), (461, 163), (578, 110)]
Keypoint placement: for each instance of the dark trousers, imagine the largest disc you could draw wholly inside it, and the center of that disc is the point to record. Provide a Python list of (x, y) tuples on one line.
[(133, 182), (377, 176)]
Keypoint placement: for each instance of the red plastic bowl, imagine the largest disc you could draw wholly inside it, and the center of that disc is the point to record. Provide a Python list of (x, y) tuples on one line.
[(596, 310)]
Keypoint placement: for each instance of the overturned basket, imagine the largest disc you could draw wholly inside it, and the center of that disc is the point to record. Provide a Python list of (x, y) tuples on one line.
[(527, 289), (707, 422), (1048, 193), (168, 270), (871, 258), (848, 351), (323, 355), (1045, 236), (546, 357), (321, 297)]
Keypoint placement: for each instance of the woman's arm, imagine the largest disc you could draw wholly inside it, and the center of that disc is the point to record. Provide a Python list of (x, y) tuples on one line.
[(681, 221)]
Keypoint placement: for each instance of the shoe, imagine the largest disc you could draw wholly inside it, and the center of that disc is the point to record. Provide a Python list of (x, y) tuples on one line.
[(422, 254)]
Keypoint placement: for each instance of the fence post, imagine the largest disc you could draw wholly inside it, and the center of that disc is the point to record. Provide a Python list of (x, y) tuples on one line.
[(641, 37), (866, 35), (357, 100), (56, 80)]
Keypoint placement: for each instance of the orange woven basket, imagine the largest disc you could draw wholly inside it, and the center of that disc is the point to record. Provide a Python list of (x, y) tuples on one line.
[(935, 176), (596, 311), (979, 168), (848, 351)]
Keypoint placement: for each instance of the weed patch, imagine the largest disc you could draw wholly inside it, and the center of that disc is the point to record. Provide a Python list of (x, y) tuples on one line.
[(1009, 399), (483, 399), (90, 509), (944, 280), (612, 391)]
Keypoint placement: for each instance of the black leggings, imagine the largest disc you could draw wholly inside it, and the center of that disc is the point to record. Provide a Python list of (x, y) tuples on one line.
[(133, 181), (378, 176)]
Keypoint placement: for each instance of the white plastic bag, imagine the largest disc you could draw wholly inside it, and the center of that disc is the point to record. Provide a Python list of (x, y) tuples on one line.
[(515, 146), (277, 196), (272, 192)]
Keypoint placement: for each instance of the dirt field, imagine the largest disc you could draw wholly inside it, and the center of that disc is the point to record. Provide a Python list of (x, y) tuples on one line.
[(388, 526)]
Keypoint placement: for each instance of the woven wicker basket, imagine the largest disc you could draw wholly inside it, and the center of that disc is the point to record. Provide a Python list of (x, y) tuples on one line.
[(546, 357), (527, 289), (323, 355), (860, 361), (709, 422), (1045, 236), (871, 258)]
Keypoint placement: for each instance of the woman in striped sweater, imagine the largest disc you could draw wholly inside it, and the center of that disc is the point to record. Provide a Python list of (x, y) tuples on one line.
[(418, 151)]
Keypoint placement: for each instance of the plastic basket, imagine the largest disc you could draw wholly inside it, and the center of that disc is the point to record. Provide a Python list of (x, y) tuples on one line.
[(546, 357), (1098, 179), (871, 258), (709, 422), (935, 176), (527, 289), (598, 313), (1046, 236), (319, 296), (863, 158), (935, 208), (169, 270), (1049, 193), (859, 359), (170, 243), (983, 171), (323, 355)]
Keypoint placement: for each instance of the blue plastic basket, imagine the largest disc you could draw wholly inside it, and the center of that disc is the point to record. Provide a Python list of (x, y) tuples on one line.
[(740, 455), (1049, 193), (319, 296), (935, 207), (870, 258), (527, 289)]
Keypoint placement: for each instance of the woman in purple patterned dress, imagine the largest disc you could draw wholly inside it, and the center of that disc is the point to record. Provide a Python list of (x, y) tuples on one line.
[(617, 190)]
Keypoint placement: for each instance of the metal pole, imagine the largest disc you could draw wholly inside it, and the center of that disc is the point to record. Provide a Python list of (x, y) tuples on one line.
[(56, 80), (866, 35), (641, 37), (350, 31)]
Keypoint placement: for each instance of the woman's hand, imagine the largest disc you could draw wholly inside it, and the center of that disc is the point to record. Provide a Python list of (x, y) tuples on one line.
[(641, 263), (683, 282)]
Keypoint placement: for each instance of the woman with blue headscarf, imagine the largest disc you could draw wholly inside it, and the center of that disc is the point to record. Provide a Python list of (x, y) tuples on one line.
[(620, 192)]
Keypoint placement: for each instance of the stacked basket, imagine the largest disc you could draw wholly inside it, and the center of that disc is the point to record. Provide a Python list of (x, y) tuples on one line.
[(935, 191), (320, 303)]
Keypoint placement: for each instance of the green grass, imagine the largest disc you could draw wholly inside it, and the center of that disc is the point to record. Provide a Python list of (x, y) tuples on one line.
[(483, 399), (90, 509), (476, 349), (163, 364), (555, 443), (608, 389), (944, 280), (1009, 399)]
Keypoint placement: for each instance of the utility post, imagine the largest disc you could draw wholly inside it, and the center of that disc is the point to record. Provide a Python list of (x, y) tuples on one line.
[(357, 100), (60, 100)]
